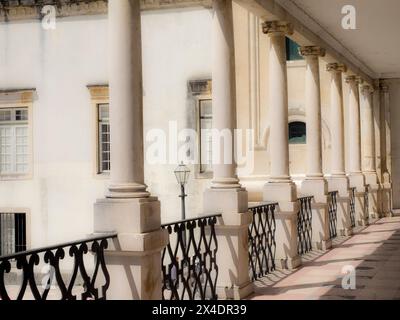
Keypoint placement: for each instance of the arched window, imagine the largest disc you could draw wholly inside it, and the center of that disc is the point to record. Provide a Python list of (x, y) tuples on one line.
[(297, 133)]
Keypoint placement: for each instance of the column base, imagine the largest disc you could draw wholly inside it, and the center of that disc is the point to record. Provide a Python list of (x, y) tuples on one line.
[(371, 180), (357, 180), (285, 194), (127, 215), (318, 188), (235, 292), (288, 263), (341, 185), (134, 258), (232, 233)]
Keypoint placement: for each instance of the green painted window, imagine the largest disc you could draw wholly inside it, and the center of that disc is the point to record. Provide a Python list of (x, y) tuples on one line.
[(297, 133), (292, 50)]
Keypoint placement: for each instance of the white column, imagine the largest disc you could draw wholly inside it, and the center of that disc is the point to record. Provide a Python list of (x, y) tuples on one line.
[(386, 151), (226, 196), (354, 138), (315, 184), (337, 119), (338, 180), (313, 111), (356, 178), (133, 260), (278, 100), (280, 187), (126, 100), (368, 148), (367, 129), (224, 95)]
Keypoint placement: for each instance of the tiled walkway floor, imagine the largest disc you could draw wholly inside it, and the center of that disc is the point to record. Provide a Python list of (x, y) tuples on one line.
[(374, 252)]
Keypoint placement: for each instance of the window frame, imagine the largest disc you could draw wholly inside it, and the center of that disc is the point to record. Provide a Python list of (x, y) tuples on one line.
[(28, 225), (17, 99), (99, 95), (199, 118)]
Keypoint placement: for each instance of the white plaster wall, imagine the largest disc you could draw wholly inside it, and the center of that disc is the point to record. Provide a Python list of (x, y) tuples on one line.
[(60, 64)]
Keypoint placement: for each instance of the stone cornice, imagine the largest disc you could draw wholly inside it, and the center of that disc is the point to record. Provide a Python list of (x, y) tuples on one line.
[(336, 67), (274, 27), (31, 9), (312, 51)]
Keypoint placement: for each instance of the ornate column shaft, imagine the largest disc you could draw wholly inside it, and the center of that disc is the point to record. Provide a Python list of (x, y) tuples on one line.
[(386, 151), (226, 196), (368, 149), (337, 119), (224, 95), (315, 184), (133, 260), (356, 178), (354, 138), (367, 129), (280, 187), (126, 101), (313, 111), (278, 100), (338, 180)]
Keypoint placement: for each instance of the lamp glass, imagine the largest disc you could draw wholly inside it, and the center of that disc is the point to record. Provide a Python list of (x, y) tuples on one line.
[(182, 174)]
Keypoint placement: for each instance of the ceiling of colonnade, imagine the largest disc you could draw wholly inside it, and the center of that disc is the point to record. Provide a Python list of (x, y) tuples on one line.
[(375, 41)]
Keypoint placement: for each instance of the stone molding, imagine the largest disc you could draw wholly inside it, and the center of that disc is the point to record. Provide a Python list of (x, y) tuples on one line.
[(31, 9), (336, 67), (312, 51), (272, 27)]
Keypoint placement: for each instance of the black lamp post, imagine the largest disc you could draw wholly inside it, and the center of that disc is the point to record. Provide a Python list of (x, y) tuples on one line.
[(182, 173)]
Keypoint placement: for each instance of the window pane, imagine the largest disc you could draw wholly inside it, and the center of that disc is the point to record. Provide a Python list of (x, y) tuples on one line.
[(205, 136), (297, 133), (104, 138), (292, 50), (5, 114)]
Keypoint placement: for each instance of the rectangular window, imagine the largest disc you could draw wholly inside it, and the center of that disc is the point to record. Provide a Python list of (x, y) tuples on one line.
[(205, 112), (292, 51), (12, 233), (14, 145), (104, 138)]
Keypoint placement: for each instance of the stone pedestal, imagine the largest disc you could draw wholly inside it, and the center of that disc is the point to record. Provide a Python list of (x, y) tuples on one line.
[(134, 258), (232, 235), (341, 185), (285, 195), (358, 181), (386, 196), (320, 212), (371, 180)]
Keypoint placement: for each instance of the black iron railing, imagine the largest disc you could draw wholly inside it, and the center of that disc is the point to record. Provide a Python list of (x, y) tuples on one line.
[(262, 245), (353, 207), (189, 265), (304, 225), (81, 284), (332, 207)]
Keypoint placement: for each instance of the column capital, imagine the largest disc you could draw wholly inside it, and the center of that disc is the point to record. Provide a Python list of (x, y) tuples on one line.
[(312, 51), (336, 67), (353, 79), (277, 27), (367, 88), (384, 87)]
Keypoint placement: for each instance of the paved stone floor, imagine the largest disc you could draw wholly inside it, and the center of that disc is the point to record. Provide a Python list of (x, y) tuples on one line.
[(373, 251)]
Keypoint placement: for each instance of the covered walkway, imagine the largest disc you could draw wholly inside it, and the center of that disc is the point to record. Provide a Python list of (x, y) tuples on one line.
[(374, 252)]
